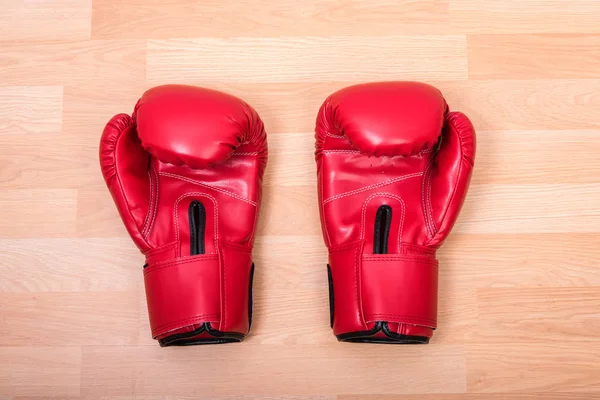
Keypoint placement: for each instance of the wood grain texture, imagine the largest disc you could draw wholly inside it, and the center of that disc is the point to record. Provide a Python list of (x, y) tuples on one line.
[(429, 372), (519, 283), (113, 19), (40, 371), (535, 366), (35, 110), (534, 56), (307, 58), (525, 16), (45, 20)]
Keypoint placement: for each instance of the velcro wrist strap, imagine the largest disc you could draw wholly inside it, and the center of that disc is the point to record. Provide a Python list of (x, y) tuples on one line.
[(400, 289), (193, 290), (182, 292)]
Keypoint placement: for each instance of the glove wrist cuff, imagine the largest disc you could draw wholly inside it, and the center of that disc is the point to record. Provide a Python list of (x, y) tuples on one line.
[(383, 297), (201, 299)]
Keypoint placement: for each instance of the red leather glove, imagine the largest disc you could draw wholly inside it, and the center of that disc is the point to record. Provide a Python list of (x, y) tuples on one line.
[(393, 167), (185, 172)]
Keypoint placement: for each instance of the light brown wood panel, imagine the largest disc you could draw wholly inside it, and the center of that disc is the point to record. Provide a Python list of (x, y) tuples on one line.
[(31, 110), (530, 157), (305, 271), (33, 265), (476, 396), (550, 104), (45, 20), (525, 16), (56, 319), (534, 56), (222, 370), (234, 397), (276, 217), (308, 59), (40, 371), (534, 366), (35, 213), (89, 107), (294, 152), (97, 215), (457, 313), (242, 397), (566, 314), (46, 162), (520, 260), (99, 64), (113, 19), (530, 209)]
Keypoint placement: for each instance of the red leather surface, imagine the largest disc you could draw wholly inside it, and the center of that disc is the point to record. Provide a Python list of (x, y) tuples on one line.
[(395, 144), (190, 281), (384, 293), (198, 282), (186, 144)]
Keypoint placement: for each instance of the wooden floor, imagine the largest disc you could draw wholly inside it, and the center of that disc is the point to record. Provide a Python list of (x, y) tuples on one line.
[(520, 275)]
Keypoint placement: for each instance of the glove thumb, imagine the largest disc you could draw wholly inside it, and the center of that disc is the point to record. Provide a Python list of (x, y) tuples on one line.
[(447, 179), (125, 165)]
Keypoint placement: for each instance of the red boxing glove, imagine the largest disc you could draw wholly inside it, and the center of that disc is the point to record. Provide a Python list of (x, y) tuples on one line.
[(185, 172), (393, 167)]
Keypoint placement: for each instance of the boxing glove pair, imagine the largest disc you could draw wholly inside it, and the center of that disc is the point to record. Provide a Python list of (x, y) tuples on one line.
[(185, 171)]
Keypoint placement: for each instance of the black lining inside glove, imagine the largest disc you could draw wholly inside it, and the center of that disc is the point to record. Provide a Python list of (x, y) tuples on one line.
[(391, 337)]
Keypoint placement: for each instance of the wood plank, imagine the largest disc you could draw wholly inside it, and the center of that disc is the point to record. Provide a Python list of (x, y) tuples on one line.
[(549, 315), (25, 20), (63, 265), (527, 104), (306, 59), (530, 209), (21, 374), (306, 270), (47, 162), (519, 260), (36, 213), (226, 370), (88, 109), (30, 110), (291, 160), (525, 16), (476, 396), (99, 64), (99, 397), (276, 217), (534, 157), (533, 367), (97, 215), (69, 318), (113, 19), (533, 56), (236, 397)]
